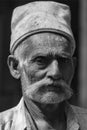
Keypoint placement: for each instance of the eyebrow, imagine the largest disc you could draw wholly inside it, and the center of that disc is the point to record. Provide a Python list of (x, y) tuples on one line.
[(37, 54), (50, 54)]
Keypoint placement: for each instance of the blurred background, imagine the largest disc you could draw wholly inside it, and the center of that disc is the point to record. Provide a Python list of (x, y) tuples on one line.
[(10, 88)]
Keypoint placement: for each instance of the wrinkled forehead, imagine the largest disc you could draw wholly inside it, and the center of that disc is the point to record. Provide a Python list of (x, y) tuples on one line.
[(45, 43)]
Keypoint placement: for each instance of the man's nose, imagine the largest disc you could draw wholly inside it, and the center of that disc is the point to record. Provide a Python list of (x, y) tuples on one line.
[(54, 71)]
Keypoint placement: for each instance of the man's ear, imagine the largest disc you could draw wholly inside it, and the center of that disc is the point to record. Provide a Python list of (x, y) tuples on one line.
[(74, 62), (13, 66)]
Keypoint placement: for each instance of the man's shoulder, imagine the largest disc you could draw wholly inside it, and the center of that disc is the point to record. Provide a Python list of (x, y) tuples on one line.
[(7, 114), (79, 110), (13, 117), (81, 114), (6, 117)]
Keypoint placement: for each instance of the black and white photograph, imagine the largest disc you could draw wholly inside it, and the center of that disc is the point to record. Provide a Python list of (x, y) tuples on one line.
[(43, 64)]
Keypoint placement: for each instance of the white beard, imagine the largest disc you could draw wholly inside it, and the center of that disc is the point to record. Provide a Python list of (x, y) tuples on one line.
[(48, 97)]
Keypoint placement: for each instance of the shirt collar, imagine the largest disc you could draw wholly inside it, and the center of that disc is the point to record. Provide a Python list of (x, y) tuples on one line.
[(72, 121), (20, 120)]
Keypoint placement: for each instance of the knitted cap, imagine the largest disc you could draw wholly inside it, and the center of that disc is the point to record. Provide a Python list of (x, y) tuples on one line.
[(40, 16)]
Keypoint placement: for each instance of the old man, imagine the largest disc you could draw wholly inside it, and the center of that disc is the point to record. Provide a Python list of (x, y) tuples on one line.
[(42, 47)]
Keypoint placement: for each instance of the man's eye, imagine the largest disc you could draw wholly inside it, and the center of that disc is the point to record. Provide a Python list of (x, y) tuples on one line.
[(40, 60), (65, 60)]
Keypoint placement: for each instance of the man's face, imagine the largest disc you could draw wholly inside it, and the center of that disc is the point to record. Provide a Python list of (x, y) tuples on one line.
[(46, 68)]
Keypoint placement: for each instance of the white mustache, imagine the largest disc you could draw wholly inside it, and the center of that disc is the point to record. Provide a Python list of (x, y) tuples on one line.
[(38, 84), (47, 83)]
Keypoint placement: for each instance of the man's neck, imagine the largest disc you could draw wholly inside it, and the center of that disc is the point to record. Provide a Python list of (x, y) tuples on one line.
[(47, 115)]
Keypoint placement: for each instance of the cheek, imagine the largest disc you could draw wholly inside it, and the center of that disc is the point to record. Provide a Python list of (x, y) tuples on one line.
[(67, 73), (33, 73), (27, 78)]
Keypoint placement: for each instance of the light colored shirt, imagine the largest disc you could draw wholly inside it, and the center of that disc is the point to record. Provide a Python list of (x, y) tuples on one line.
[(15, 119)]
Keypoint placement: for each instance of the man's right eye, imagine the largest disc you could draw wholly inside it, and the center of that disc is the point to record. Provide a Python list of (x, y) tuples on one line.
[(40, 61)]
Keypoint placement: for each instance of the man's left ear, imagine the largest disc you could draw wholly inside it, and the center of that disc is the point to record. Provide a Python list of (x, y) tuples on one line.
[(74, 62), (13, 64)]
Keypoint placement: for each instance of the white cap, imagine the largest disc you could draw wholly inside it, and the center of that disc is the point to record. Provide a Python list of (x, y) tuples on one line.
[(40, 16)]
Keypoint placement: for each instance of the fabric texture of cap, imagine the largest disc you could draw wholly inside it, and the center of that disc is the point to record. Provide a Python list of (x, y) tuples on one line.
[(40, 16)]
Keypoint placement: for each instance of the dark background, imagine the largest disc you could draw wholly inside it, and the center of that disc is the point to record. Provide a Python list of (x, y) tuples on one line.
[(10, 88)]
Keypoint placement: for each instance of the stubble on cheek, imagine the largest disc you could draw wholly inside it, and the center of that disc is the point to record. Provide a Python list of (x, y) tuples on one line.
[(28, 77)]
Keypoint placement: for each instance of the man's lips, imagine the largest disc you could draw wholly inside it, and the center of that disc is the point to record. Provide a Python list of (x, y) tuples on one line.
[(50, 87)]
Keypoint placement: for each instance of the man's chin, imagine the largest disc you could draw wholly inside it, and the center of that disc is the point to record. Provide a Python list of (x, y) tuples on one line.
[(51, 98)]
